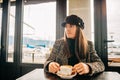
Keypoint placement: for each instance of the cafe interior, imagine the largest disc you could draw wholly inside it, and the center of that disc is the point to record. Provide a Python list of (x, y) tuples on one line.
[(29, 28)]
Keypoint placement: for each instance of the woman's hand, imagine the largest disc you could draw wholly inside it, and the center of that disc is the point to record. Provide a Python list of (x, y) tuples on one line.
[(81, 68), (53, 67)]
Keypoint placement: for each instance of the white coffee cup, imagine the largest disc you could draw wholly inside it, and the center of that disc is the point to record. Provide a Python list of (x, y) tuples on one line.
[(65, 70)]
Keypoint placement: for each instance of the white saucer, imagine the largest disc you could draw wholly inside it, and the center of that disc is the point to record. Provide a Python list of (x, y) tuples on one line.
[(65, 77)]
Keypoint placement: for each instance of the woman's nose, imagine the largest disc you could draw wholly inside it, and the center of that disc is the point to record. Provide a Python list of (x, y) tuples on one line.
[(68, 28)]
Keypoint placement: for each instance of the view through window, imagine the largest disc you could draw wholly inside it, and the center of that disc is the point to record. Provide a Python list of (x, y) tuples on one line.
[(39, 31), (113, 32), (11, 34)]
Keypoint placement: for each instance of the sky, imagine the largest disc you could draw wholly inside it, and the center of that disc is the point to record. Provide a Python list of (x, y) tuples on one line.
[(41, 19)]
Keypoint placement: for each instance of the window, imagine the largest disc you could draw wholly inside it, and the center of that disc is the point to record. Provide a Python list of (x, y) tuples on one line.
[(11, 34), (39, 31), (113, 32)]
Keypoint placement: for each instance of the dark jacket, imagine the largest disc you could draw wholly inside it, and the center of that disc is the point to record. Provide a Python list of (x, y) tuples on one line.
[(92, 59)]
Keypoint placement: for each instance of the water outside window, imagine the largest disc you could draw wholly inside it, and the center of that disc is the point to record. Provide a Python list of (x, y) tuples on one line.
[(39, 32)]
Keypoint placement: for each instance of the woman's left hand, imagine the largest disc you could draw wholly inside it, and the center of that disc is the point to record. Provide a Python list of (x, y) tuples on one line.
[(81, 68)]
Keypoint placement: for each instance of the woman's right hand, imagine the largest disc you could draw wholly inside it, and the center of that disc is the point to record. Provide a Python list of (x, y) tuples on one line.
[(54, 67)]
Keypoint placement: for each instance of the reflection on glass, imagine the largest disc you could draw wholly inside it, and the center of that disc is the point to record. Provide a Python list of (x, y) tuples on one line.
[(11, 34), (39, 31), (113, 26)]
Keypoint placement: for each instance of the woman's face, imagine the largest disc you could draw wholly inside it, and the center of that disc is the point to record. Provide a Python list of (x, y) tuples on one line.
[(70, 31)]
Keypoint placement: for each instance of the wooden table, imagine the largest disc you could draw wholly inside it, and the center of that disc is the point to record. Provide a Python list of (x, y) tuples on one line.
[(39, 74)]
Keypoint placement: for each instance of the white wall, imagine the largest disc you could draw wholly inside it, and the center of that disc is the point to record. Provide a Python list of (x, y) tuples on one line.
[(82, 8)]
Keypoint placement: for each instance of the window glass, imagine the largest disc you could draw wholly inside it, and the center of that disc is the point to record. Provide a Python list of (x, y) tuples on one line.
[(39, 32), (113, 32), (11, 34)]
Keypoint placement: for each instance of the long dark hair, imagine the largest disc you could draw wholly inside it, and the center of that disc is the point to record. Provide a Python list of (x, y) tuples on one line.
[(81, 45)]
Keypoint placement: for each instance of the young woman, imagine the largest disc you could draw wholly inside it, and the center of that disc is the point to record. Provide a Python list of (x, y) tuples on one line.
[(74, 49)]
